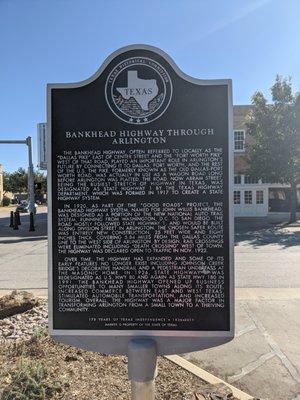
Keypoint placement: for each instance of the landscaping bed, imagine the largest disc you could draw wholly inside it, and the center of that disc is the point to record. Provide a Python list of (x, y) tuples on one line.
[(33, 366)]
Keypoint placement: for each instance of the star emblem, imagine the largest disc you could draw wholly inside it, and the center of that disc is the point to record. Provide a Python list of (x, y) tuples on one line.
[(145, 119), (138, 120), (130, 119)]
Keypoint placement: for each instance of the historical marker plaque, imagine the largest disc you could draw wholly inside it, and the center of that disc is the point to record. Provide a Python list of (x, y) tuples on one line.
[(140, 229)]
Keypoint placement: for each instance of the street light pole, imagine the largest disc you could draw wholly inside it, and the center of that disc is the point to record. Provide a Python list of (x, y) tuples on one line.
[(30, 176), (30, 168)]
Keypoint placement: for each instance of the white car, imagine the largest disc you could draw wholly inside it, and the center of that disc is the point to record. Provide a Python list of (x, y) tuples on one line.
[(23, 206)]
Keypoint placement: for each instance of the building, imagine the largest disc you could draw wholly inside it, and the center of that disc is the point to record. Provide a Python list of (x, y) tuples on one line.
[(252, 197)]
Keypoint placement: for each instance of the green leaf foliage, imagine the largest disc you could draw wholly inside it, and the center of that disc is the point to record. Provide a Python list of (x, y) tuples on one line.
[(17, 182), (274, 155), (30, 381)]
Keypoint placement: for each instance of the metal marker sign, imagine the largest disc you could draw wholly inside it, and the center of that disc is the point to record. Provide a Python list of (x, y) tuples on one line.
[(140, 217)]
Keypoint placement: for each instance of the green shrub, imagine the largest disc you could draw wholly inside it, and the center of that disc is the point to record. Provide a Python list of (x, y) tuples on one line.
[(6, 201), (39, 333), (30, 381)]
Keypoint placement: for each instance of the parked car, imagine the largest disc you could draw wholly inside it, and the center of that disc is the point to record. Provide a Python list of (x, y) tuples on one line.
[(23, 206)]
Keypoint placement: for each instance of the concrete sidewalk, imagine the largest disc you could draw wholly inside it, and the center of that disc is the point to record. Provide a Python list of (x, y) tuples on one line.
[(23, 254), (264, 357)]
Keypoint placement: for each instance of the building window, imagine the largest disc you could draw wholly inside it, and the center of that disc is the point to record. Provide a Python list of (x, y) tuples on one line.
[(259, 197), (237, 197), (239, 140), (250, 180), (237, 179), (248, 196)]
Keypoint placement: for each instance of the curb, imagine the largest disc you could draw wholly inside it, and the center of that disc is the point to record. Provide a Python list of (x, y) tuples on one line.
[(206, 376)]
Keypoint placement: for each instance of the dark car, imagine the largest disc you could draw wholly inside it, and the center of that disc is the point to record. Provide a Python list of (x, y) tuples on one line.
[(24, 206)]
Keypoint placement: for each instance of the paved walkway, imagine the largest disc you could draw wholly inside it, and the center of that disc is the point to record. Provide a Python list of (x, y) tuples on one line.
[(264, 357), (23, 254)]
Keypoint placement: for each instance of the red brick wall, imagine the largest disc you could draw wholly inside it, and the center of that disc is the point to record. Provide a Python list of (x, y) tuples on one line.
[(239, 122)]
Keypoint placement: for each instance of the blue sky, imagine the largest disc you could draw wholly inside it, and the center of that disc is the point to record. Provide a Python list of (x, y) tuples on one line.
[(43, 41)]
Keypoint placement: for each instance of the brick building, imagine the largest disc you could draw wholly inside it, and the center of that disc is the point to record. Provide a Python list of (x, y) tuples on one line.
[(253, 198)]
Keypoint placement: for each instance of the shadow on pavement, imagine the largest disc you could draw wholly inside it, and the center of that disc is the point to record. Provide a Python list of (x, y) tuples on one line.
[(261, 233), (23, 233), (24, 239)]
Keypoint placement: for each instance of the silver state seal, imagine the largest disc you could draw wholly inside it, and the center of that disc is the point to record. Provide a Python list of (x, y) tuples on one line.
[(138, 90)]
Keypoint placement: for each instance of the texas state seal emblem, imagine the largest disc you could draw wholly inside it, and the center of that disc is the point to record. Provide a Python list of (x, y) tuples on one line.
[(138, 90)]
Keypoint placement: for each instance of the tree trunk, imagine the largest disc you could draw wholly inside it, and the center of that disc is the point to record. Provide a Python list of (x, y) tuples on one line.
[(293, 209)]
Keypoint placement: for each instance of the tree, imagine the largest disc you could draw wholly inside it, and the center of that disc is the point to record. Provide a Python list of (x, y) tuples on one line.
[(17, 182), (274, 155), (6, 183), (40, 181)]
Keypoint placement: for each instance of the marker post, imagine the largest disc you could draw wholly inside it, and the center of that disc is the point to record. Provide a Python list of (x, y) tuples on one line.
[(142, 369)]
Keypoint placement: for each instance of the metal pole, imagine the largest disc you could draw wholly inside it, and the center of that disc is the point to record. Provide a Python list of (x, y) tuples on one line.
[(13, 141), (16, 226), (18, 217), (30, 176), (143, 390), (142, 369), (31, 222), (11, 224)]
